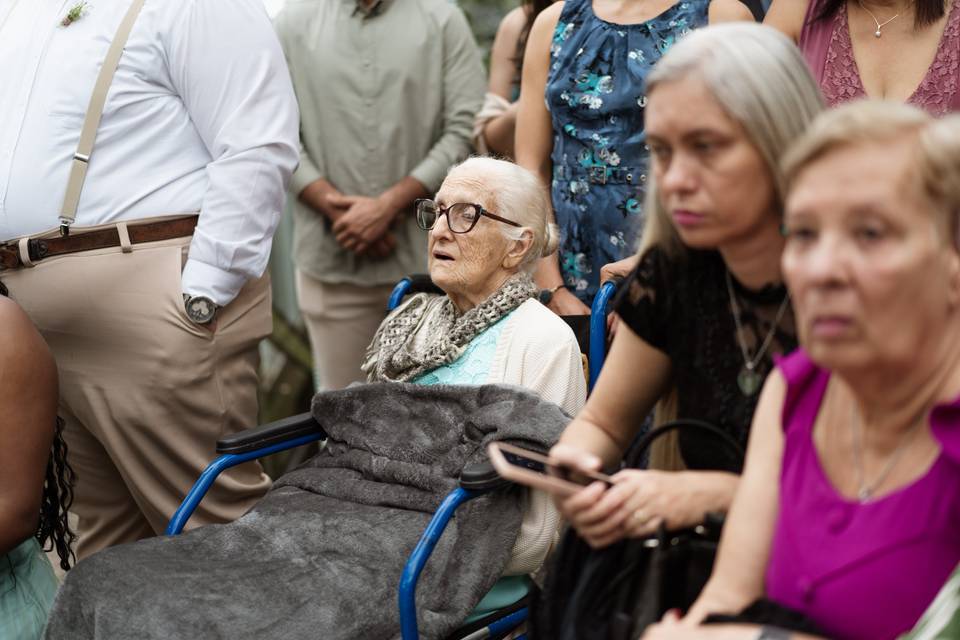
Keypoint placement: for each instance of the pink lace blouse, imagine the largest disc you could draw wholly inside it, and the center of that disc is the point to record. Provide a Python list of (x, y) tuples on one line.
[(827, 47)]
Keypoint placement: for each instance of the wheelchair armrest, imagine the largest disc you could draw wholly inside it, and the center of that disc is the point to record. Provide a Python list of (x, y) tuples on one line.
[(481, 476), (269, 434)]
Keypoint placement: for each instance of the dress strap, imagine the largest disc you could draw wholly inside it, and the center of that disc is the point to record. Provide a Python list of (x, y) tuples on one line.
[(815, 36), (806, 385), (573, 9)]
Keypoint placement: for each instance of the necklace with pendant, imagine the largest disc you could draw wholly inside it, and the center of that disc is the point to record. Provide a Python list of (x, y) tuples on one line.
[(749, 379), (866, 490), (880, 25)]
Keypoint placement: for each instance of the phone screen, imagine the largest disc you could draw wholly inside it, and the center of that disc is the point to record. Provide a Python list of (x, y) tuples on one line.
[(548, 468)]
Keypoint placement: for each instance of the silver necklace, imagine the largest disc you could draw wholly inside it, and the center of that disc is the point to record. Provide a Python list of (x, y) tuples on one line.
[(749, 380), (880, 25), (866, 490)]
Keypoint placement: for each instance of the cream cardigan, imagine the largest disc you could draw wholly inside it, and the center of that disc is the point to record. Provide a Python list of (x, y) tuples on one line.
[(538, 351)]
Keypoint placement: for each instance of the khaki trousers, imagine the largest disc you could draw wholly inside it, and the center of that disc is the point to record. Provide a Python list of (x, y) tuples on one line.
[(145, 393), (341, 320)]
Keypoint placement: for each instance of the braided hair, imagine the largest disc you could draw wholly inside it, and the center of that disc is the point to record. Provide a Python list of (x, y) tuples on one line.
[(54, 531)]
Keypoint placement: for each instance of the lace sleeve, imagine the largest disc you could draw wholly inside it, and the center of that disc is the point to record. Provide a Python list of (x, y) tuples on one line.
[(644, 302)]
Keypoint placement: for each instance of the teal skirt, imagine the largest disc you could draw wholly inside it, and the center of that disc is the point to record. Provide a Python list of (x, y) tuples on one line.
[(27, 588)]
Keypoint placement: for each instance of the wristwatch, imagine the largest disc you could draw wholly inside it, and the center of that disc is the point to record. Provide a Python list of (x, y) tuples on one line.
[(200, 309), (546, 295)]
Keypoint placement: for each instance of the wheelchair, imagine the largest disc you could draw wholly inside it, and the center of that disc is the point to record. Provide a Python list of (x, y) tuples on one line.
[(475, 480)]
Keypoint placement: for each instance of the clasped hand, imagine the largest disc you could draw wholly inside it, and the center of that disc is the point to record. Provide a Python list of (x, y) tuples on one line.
[(364, 224), (635, 506)]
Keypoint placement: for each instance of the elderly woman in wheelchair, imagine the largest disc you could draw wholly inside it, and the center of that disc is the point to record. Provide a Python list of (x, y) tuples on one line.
[(488, 227), (322, 554)]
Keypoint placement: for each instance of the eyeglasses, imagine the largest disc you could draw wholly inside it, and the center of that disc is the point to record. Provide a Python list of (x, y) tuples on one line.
[(461, 216)]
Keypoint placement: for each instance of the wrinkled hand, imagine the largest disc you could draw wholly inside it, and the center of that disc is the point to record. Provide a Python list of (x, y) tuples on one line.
[(619, 269), (318, 194), (365, 222), (672, 627), (635, 507), (565, 303)]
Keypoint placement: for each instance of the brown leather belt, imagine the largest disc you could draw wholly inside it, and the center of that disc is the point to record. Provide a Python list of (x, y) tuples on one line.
[(40, 248)]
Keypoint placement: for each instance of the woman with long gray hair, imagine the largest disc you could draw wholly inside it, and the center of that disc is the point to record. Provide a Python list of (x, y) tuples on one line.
[(705, 309)]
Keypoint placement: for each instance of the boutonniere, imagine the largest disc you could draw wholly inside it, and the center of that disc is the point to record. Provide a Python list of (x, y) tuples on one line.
[(76, 12)]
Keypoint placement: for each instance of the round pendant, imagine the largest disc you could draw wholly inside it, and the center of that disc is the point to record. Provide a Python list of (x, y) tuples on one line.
[(749, 381), (864, 494), (877, 33)]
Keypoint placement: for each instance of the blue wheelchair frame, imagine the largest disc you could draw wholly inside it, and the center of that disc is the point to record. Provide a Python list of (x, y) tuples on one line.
[(475, 481)]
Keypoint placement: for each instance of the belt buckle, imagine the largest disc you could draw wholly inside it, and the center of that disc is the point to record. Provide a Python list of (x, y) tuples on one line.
[(597, 175)]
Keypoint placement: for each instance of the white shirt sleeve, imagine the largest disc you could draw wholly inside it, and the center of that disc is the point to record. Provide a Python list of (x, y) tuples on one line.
[(228, 68)]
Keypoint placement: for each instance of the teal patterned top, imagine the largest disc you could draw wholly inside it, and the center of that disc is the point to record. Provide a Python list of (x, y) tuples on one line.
[(473, 367)]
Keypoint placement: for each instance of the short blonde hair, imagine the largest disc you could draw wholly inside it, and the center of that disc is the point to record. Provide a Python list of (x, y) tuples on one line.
[(935, 169), (517, 194), (760, 79)]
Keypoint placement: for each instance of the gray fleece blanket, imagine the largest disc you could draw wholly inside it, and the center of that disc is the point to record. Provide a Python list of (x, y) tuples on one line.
[(321, 555)]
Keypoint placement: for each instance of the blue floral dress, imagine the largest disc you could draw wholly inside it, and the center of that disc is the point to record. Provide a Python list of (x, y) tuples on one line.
[(595, 94)]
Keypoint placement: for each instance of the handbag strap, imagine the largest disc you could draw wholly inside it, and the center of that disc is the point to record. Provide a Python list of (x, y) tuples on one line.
[(687, 424), (88, 134)]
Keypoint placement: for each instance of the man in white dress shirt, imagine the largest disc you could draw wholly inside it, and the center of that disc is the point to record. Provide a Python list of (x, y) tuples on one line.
[(154, 323)]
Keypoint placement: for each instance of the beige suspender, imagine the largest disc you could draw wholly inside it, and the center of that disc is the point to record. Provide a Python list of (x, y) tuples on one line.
[(81, 159)]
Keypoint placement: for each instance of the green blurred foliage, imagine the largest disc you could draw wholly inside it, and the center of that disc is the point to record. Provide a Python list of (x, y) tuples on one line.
[(485, 16)]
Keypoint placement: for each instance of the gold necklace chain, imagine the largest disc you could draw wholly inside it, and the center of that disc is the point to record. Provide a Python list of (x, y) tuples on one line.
[(880, 25), (865, 491)]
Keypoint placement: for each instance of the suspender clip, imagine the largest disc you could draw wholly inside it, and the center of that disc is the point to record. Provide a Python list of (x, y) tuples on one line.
[(64, 227)]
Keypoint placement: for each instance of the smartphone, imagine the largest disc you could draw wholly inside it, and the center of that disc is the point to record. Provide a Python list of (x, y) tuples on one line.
[(535, 470)]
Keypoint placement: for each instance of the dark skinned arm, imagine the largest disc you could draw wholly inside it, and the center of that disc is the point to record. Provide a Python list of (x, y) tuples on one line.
[(28, 398)]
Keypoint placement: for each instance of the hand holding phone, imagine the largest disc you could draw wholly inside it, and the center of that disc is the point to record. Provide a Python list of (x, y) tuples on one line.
[(536, 470)]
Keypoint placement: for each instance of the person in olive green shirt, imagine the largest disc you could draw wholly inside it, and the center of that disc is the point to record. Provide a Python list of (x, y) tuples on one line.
[(388, 90)]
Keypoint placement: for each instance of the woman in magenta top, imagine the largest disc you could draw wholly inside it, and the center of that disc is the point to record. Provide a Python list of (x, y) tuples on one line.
[(902, 50), (848, 510)]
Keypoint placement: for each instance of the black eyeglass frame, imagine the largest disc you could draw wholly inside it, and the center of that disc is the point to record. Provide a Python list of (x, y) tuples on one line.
[(480, 211)]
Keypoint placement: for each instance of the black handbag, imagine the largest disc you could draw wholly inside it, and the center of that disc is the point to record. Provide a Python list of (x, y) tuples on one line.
[(614, 593)]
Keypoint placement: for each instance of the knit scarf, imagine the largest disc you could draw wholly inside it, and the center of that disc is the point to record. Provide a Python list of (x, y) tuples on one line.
[(427, 331)]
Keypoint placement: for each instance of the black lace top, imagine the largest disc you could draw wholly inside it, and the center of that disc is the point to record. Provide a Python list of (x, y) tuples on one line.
[(683, 309)]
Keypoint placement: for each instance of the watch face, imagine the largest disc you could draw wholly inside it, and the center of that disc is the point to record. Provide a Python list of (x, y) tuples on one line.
[(200, 309)]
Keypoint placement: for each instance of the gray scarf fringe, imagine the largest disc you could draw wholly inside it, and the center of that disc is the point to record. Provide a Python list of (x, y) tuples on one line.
[(427, 332)]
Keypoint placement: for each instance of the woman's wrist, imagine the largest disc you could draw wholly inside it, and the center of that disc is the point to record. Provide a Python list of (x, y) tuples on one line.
[(712, 490)]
